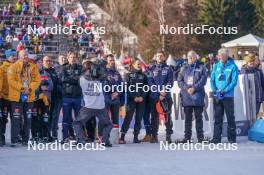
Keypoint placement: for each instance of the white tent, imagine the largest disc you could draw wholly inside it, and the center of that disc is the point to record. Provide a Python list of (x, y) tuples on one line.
[(248, 41)]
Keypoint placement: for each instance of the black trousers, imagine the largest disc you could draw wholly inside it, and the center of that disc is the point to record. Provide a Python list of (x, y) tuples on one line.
[(104, 125), (5, 109), (90, 127), (155, 119), (114, 110), (197, 110), (20, 111), (132, 106), (40, 120), (220, 107)]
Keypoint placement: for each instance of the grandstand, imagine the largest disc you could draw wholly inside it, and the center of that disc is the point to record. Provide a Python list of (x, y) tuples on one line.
[(14, 27)]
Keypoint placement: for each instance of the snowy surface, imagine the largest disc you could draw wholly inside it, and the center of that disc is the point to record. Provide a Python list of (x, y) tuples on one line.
[(143, 159)]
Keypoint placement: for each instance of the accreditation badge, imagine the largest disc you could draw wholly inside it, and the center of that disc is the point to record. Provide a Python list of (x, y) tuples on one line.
[(190, 80)]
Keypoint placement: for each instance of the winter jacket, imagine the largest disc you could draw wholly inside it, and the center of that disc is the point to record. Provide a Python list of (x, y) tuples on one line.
[(139, 79), (15, 78), (55, 81), (192, 76), (4, 67), (1, 83), (224, 78), (160, 75), (70, 81), (45, 81), (113, 79), (259, 81)]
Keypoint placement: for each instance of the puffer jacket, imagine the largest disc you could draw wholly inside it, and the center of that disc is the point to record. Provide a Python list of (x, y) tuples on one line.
[(15, 84)]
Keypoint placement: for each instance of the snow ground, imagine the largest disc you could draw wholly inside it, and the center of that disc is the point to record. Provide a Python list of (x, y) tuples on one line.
[(131, 159)]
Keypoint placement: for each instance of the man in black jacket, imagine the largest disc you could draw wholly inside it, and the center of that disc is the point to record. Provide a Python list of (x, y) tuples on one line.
[(55, 96), (71, 93)]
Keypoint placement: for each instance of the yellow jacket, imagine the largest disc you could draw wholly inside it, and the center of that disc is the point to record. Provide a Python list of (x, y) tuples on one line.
[(3, 68), (15, 84)]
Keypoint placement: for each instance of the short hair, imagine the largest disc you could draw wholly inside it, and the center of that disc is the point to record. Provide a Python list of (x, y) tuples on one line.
[(161, 51), (193, 53), (110, 55), (223, 51)]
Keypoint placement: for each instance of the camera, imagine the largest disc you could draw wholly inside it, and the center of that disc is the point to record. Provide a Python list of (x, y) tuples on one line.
[(94, 68)]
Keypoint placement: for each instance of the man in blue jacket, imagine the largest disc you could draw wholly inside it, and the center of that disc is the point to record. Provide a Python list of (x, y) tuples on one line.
[(114, 99), (161, 77), (191, 80), (223, 82)]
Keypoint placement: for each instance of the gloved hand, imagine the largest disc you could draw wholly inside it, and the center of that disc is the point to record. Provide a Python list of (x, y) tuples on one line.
[(220, 94)]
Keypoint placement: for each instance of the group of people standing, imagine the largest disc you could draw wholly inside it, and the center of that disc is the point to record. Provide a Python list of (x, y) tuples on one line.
[(33, 92)]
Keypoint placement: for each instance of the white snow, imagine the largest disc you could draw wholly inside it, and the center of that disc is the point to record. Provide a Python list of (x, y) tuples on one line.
[(143, 159)]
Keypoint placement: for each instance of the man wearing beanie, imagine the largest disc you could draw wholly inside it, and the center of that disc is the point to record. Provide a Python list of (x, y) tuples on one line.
[(23, 80), (4, 103)]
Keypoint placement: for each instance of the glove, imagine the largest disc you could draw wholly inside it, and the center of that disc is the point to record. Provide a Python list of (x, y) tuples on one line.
[(220, 95)]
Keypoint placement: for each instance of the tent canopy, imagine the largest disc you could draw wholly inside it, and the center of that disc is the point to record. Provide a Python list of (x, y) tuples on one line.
[(247, 40)]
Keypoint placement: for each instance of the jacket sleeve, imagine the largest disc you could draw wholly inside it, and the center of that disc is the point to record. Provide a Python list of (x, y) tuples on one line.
[(50, 88), (202, 81), (182, 85), (11, 78), (144, 93), (170, 77), (262, 82), (1, 80), (212, 80), (121, 94), (233, 80), (127, 80), (35, 79)]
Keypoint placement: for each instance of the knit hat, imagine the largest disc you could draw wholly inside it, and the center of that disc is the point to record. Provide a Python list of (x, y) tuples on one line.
[(10, 53)]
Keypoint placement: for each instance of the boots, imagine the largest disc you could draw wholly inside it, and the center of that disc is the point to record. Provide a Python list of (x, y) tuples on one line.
[(154, 139), (135, 140), (147, 138), (168, 138), (122, 139)]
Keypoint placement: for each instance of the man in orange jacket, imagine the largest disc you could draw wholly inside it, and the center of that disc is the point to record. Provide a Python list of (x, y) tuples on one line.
[(23, 80), (11, 57)]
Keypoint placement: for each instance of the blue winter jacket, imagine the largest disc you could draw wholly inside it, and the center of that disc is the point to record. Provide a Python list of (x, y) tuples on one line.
[(224, 77), (113, 79), (192, 76), (160, 75)]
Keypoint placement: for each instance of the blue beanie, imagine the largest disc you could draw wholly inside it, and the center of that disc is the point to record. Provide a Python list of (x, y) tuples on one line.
[(10, 53)]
